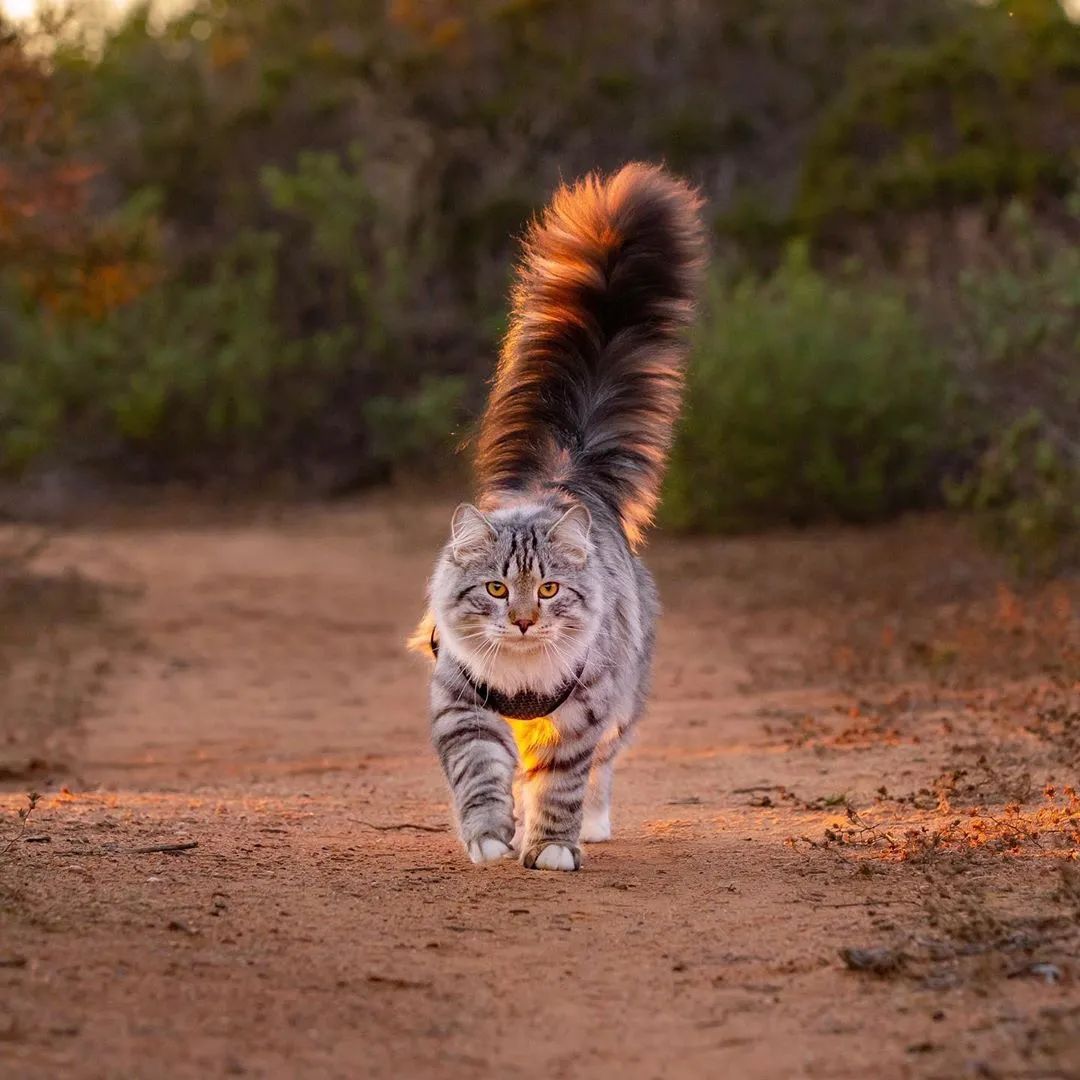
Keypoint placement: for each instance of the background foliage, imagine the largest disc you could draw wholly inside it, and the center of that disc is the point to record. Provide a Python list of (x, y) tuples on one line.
[(271, 238)]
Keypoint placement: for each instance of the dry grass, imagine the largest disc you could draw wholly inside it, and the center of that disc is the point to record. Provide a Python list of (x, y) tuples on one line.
[(972, 873), (1050, 829)]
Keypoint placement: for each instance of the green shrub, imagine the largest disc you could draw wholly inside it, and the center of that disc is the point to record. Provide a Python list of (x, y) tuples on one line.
[(183, 374), (808, 397), (983, 112), (413, 431), (1025, 494), (1014, 333), (292, 342)]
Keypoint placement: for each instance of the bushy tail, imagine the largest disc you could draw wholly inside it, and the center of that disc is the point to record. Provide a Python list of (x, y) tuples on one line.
[(589, 384)]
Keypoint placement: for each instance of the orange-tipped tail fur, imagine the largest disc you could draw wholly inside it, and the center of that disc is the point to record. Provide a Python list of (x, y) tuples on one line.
[(589, 384)]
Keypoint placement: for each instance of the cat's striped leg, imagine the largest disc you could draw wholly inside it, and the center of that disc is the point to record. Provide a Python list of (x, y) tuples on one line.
[(478, 756), (553, 796), (596, 821)]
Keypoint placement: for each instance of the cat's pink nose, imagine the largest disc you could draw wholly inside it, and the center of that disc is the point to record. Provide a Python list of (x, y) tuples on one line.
[(523, 624)]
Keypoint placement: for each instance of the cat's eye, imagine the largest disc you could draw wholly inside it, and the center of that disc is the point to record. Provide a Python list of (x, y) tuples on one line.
[(496, 589), (548, 590)]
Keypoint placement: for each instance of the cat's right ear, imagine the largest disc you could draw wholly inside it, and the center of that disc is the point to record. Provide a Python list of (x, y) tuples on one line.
[(471, 534)]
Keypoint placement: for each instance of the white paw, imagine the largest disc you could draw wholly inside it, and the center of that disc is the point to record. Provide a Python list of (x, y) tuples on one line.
[(596, 828), (554, 857), (488, 849)]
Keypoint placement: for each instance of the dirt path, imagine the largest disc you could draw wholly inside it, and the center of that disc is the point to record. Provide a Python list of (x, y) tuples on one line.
[(327, 924)]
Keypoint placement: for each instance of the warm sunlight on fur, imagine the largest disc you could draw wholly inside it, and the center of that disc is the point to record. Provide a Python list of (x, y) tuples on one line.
[(419, 641), (535, 739)]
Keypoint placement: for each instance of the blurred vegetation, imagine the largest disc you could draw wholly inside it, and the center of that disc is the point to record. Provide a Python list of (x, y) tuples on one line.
[(810, 396), (987, 109), (1014, 333), (857, 395), (271, 238)]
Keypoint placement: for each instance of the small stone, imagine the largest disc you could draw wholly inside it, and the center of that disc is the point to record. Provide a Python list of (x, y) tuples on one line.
[(878, 961)]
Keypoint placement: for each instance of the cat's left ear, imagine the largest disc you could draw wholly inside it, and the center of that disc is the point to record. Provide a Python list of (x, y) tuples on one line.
[(571, 533)]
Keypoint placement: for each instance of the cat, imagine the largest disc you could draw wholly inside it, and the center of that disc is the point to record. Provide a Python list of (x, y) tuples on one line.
[(541, 617)]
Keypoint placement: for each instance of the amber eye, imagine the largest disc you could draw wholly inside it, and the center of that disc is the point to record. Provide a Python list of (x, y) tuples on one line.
[(548, 590), (496, 589)]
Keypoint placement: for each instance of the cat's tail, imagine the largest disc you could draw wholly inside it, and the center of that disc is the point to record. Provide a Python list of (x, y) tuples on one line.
[(589, 384)]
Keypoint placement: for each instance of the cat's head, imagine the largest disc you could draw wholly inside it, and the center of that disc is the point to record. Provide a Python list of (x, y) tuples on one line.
[(518, 584)]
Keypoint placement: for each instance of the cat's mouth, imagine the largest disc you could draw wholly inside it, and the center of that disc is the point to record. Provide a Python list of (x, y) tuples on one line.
[(512, 642), (532, 642), (518, 642)]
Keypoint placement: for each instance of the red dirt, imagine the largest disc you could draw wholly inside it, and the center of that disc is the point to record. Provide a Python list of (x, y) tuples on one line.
[(260, 702)]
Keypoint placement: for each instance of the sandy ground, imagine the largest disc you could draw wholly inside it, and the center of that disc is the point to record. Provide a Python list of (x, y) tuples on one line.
[(849, 741)]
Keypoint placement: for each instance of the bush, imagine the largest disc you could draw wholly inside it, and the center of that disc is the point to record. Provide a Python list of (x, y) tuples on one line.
[(1014, 332), (984, 112), (223, 369), (824, 395), (1025, 494), (183, 373), (808, 397)]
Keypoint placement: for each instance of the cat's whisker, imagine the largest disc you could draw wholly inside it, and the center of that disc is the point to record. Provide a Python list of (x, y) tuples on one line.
[(569, 670), (489, 648)]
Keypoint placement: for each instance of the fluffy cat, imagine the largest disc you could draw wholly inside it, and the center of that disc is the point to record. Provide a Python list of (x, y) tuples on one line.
[(541, 617)]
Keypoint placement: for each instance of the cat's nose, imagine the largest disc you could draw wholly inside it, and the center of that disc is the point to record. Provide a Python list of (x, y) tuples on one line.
[(523, 624)]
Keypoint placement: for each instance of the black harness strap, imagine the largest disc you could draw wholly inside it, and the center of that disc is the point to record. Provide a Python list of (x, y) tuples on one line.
[(525, 704)]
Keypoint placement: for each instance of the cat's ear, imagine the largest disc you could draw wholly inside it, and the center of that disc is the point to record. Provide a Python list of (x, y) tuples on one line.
[(471, 534), (571, 533)]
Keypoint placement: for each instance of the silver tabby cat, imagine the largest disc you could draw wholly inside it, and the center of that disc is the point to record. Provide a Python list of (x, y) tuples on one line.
[(541, 617)]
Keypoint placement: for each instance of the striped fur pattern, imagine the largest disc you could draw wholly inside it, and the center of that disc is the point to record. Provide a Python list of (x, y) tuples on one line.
[(540, 584)]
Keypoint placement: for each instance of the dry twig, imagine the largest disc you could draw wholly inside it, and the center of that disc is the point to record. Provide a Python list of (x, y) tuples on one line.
[(149, 849), (399, 826), (24, 816)]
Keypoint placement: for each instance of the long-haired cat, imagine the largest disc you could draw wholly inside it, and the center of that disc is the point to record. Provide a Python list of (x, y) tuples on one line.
[(541, 617)]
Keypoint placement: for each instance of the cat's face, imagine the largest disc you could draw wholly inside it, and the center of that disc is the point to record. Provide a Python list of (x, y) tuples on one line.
[(517, 584)]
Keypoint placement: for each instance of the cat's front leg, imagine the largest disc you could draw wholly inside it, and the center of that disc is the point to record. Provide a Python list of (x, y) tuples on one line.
[(478, 756), (553, 787)]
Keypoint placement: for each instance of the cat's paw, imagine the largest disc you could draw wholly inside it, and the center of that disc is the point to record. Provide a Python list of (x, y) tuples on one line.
[(596, 828), (548, 856), (485, 849)]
